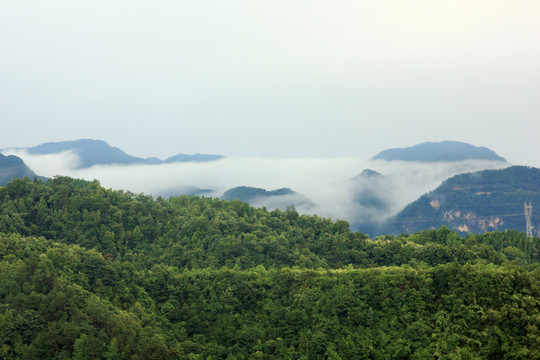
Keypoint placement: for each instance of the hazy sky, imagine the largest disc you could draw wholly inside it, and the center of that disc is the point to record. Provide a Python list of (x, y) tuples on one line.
[(272, 78)]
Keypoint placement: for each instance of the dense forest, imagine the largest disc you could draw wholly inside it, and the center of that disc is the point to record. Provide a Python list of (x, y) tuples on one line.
[(92, 273)]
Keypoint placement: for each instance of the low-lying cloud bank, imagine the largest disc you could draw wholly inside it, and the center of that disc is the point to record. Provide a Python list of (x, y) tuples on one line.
[(326, 182)]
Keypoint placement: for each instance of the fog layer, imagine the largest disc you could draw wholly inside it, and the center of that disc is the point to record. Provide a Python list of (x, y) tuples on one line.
[(329, 183)]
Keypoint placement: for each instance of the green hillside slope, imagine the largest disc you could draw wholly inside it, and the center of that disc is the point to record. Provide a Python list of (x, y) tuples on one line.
[(87, 272)]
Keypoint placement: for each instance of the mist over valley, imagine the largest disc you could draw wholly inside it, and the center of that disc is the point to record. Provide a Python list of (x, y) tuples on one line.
[(365, 192)]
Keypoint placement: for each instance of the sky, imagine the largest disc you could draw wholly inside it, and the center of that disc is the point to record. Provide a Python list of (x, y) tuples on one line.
[(272, 79)]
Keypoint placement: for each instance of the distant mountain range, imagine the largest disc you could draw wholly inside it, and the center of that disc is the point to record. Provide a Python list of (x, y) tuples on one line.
[(12, 167), (475, 202), (90, 152), (439, 151), (98, 152)]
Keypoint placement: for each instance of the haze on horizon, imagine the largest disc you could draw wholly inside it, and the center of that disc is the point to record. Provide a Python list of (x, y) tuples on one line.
[(287, 79)]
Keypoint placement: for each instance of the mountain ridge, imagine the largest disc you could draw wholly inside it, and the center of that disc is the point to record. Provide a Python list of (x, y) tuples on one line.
[(98, 152), (439, 151)]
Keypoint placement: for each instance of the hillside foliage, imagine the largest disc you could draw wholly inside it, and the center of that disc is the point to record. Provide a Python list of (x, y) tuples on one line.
[(91, 273)]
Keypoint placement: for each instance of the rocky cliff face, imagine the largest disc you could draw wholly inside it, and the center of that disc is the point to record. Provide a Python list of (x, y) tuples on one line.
[(477, 202)]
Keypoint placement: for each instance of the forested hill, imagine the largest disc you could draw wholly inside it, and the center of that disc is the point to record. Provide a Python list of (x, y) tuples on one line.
[(247, 194), (439, 151), (279, 198), (475, 202), (87, 272)]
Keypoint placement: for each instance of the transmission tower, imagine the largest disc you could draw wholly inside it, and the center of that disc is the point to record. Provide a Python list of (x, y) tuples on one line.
[(528, 214)]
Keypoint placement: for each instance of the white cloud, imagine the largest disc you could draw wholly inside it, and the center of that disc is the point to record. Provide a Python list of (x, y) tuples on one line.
[(48, 165)]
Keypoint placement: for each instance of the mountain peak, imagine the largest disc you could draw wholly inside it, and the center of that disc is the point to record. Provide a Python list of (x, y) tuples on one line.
[(369, 174)]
